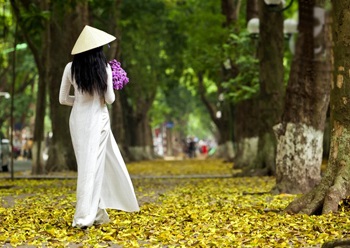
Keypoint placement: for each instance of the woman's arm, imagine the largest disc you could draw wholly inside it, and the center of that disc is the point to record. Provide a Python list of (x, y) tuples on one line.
[(109, 95), (66, 83)]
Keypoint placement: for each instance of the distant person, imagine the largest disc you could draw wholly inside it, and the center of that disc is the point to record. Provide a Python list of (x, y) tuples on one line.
[(16, 151), (103, 180), (24, 148), (184, 146), (191, 148), (29, 148), (204, 148)]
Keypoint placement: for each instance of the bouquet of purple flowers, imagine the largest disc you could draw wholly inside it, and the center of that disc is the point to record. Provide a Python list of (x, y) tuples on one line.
[(120, 79)]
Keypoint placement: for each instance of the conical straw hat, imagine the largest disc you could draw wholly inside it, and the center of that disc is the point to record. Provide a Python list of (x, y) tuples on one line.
[(91, 38)]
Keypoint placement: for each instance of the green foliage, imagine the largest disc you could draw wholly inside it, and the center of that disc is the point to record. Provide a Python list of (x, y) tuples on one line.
[(165, 44), (240, 48), (201, 24), (32, 21), (292, 11), (153, 48), (199, 124), (23, 104), (175, 212), (34, 18), (183, 109), (159, 111), (26, 75), (5, 26), (142, 48), (22, 107)]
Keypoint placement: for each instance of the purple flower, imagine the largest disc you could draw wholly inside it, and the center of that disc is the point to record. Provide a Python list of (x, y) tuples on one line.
[(120, 79)]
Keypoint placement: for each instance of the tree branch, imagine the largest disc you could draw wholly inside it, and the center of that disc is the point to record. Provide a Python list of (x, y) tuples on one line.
[(29, 41), (210, 108), (27, 82)]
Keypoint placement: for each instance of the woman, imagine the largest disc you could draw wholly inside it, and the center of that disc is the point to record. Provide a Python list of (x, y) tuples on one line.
[(103, 180)]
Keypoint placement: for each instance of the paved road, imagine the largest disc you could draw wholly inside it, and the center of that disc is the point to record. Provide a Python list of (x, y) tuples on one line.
[(21, 165)]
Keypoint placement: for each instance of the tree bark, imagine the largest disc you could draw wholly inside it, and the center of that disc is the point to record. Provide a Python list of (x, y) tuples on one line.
[(149, 148), (114, 52), (135, 126), (63, 34), (252, 10), (245, 122), (225, 124), (334, 185), (38, 166), (300, 135), (117, 125), (230, 8), (246, 134), (270, 54)]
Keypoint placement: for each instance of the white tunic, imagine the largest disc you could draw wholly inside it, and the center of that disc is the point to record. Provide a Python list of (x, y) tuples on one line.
[(103, 180)]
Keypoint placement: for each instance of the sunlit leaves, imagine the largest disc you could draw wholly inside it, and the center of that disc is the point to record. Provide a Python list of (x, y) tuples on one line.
[(186, 167), (175, 212), (241, 50), (201, 23)]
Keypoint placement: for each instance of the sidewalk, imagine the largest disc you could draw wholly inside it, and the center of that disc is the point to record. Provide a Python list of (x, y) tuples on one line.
[(22, 170)]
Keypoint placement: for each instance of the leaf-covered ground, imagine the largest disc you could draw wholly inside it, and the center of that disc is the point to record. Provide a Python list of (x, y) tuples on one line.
[(175, 212)]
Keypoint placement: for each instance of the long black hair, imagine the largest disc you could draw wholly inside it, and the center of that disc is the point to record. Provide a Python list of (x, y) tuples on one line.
[(89, 71)]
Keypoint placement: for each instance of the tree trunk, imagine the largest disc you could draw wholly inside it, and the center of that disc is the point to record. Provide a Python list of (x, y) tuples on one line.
[(116, 111), (61, 152), (245, 121), (246, 134), (38, 166), (128, 126), (117, 125), (136, 127), (149, 148), (270, 53), (169, 141), (230, 8), (334, 185), (136, 148), (40, 57), (140, 149), (225, 124), (252, 10), (300, 135)]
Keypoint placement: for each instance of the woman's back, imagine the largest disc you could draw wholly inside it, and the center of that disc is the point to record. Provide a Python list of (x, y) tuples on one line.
[(80, 97)]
